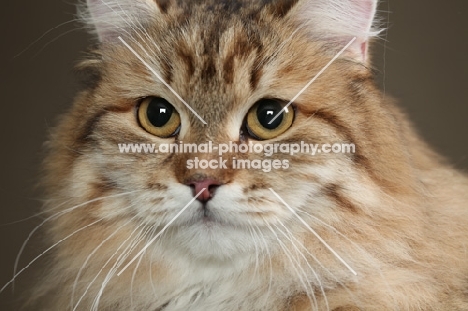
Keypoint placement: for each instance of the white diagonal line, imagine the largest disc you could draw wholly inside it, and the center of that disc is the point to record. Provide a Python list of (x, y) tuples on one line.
[(315, 233), (313, 79), (160, 232), (161, 79)]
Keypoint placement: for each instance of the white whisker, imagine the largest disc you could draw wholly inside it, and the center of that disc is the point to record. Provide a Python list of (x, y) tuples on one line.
[(337, 280), (306, 286), (270, 264), (300, 266), (315, 233), (92, 253), (45, 34), (151, 267), (47, 250), (105, 264), (256, 253), (366, 256), (120, 260), (292, 239), (133, 279), (58, 214), (162, 231)]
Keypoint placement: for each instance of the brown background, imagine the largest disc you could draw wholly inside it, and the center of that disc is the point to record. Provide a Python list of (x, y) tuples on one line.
[(425, 67)]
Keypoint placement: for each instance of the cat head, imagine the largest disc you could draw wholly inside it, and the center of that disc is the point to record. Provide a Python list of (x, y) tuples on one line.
[(210, 67)]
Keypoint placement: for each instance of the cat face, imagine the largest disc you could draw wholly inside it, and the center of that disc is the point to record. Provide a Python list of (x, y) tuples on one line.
[(214, 75), (221, 68)]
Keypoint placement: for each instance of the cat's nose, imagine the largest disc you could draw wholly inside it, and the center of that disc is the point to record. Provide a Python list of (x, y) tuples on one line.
[(208, 184)]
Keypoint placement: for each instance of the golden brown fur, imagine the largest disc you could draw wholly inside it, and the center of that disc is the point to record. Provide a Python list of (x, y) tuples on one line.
[(394, 210)]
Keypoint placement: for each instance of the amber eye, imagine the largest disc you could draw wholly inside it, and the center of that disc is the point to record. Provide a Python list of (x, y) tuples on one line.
[(262, 113), (157, 116)]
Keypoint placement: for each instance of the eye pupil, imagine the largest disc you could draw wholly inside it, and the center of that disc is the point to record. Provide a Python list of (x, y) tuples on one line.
[(263, 112), (159, 112), (266, 111), (158, 117)]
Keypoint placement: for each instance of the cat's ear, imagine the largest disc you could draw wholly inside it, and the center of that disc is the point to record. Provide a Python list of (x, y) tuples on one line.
[(339, 21), (112, 18)]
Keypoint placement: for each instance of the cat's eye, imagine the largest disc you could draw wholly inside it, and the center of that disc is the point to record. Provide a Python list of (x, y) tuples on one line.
[(157, 116), (261, 114)]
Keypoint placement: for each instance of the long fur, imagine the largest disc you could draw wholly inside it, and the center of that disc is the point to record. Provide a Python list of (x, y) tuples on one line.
[(394, 211)]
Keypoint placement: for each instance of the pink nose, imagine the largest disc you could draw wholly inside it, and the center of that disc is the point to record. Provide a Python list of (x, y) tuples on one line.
[(208, 186)]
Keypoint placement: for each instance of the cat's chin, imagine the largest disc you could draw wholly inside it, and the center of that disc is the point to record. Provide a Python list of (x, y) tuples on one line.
[(208, 238)]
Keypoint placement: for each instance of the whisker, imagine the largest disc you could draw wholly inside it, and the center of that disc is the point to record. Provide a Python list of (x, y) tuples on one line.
[(47, 250), (92, 253), (151, 266), (325, 268), (316, 234), (15, 266), (301, 280), (55, 39), (43, 35), (365, 254), (161, 232), (270, 263), (256, 252), (56, 215), (292, 239), (105, 264), (120, 260), (145, 235), (300, 266), (133, 279), (34, 216)]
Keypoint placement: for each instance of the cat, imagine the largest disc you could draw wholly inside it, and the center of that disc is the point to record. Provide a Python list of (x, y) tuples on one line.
[(383, 228)]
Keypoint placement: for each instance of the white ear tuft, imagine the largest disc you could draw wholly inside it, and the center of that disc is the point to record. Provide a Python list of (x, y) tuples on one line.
[(112, 18), (341, 20)]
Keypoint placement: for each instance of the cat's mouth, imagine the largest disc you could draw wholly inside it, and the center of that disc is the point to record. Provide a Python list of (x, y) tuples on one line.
[(206, 216)]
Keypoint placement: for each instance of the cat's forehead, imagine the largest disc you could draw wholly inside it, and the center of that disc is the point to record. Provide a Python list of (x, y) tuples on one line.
[(219, 27)]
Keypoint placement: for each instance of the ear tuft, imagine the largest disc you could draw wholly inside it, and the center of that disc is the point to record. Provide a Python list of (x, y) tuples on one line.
[(339, 21), (112, 18)]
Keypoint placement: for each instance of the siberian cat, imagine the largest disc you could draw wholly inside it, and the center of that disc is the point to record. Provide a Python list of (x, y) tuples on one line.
[(383, 228)]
